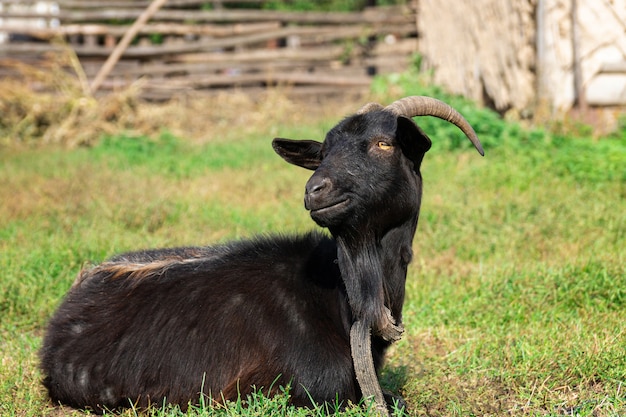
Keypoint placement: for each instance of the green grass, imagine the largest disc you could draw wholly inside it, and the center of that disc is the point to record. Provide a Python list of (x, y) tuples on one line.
[(516, 297)]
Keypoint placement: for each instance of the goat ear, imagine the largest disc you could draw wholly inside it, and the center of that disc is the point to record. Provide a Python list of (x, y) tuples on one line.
[(414, 142), (303, 153)]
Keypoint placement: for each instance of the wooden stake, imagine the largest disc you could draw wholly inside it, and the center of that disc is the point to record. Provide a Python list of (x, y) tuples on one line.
[(123, 44)]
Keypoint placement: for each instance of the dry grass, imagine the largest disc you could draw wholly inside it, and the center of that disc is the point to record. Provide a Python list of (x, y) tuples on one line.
[(50, 104)]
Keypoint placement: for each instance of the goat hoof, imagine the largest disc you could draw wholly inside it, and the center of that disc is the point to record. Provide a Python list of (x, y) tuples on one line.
[(395, 402)]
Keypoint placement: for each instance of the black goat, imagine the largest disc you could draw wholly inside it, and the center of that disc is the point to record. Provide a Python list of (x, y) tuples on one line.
[(174, 324)]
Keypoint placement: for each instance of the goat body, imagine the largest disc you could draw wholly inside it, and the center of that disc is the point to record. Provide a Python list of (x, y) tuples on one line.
[(167, 325), (174, 324)]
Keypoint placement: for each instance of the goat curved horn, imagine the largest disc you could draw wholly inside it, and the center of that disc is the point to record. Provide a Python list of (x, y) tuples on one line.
[(427, 106)]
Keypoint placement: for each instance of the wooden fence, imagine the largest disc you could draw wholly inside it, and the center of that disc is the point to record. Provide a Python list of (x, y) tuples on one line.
[(189, 47)]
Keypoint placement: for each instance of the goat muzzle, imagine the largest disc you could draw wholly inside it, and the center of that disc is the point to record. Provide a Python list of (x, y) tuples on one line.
[(326, 206)]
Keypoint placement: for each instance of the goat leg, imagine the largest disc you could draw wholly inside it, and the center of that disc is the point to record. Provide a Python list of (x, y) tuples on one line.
[(361, 347)]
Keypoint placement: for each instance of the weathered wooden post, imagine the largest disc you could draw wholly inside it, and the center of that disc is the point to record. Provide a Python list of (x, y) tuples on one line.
[(123, 44)]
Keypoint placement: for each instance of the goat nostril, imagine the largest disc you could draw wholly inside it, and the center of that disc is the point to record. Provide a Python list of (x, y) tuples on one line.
[(317, 185)]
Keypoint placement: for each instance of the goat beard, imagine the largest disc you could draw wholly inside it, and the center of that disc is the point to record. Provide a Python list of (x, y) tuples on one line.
[(362, 273), (361, 270)]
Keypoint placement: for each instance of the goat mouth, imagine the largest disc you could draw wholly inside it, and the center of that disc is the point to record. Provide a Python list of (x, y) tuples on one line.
[(331, 207)]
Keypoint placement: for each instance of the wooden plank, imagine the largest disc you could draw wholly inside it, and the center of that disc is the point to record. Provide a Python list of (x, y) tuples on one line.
[(613, 67), (166, 88), (212, 81), (90, 4), (160, 28), (385, 16), (308, 92), (319, 53), (607, 89), (163, 69), (317, 35), (27, 48), (134, 69), (183, 70)]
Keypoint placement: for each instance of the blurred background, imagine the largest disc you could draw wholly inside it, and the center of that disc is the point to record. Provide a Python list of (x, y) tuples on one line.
[(526, 59)]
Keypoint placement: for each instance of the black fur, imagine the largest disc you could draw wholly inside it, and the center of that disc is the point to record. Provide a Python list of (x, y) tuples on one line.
[(168, 324)]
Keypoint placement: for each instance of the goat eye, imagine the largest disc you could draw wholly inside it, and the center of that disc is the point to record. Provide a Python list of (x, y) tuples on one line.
[(385, 146)]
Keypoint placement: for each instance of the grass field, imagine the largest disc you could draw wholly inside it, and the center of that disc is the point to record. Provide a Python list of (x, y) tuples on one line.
[(516, 297)]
